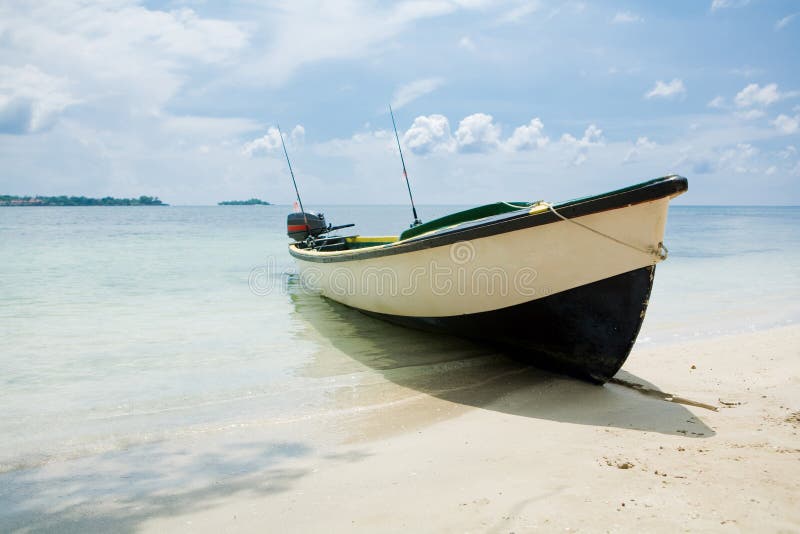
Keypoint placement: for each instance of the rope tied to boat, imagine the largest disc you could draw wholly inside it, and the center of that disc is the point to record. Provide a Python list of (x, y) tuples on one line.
[(660, 252)]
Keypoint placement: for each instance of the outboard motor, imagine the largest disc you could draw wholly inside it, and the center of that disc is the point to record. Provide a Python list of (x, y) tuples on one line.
[(301, 225)]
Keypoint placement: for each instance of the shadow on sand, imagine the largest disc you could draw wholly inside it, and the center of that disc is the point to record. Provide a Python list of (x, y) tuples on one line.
[(146, 482), (120, 491), (473, 374)]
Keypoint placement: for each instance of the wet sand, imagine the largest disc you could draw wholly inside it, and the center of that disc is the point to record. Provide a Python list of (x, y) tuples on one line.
[(701, 435)]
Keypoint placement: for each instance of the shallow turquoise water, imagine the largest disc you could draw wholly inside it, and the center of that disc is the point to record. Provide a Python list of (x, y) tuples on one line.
[(122, 326)]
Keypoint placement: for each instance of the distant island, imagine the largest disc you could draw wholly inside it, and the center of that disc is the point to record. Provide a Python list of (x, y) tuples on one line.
[(11, 200), (251, 202)]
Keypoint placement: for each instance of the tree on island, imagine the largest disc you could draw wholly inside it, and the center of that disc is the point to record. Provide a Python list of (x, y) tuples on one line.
[(63, 200), (251, 202)]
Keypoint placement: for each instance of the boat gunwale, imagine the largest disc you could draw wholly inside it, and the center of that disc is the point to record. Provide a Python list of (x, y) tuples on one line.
[(668, 186)]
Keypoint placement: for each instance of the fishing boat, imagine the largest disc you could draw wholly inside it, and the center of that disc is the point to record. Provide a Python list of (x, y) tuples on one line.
[(563, 286)]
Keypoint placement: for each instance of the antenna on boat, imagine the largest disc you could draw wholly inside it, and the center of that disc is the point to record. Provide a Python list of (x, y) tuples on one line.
[(294, 182), (307, 233), (405, 174)]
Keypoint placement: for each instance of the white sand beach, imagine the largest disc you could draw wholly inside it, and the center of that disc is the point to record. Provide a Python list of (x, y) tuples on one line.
[(550, 453), (493, 448)]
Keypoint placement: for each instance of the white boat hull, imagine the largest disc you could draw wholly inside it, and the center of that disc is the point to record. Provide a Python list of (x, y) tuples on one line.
[(494, 272), (565, 287)]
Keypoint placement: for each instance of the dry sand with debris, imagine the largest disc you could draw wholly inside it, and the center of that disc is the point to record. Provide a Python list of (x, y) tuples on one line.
[(533, 451)]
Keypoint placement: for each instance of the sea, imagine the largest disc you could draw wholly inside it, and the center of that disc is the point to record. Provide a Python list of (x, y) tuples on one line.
[(125, 327)]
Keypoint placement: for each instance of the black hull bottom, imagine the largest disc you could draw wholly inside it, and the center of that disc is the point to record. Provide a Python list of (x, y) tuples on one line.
[(586, 332)]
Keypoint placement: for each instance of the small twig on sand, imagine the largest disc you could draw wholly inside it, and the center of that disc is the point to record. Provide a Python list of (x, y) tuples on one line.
[(669, 397)]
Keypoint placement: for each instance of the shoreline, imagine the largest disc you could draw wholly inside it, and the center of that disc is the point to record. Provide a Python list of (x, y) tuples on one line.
[(496, 448), (648, 339)]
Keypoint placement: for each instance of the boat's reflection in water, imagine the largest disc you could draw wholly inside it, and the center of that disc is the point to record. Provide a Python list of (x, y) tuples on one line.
[(368, 358)]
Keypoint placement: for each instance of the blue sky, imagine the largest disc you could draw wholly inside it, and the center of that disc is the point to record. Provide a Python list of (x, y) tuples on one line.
[(494, 100)]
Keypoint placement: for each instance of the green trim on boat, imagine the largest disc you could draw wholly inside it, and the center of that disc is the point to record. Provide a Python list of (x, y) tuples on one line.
[(498, 208), (472, 214)]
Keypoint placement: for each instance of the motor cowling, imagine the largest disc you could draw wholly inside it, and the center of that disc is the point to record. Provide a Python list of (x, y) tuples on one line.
[(301, 225)]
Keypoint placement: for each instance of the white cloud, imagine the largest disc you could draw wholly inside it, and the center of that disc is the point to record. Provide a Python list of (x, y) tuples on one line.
[(31, 100), (306, 32), (218, 127), (738, 159), (183, 33), (742, 151), (642, 144), (719, 147), (119, 55), (580, 159), (700, 164), (467, 44), (376, 142), (755, 95), (411, 91), (298, 135), (717, 102), (428, 134), (721, 4), (746, 71), (271, 141), (592, 137), (519, 12), (626, 17), (788, 152), (787, 125), (750, 114), (672, 89), (477, 133), (782, 23), (528, 137), (263, 145)]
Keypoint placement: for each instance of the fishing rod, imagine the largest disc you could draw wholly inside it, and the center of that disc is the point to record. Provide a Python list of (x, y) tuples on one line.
[(294, 182), (405, 174), (307, 232)]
